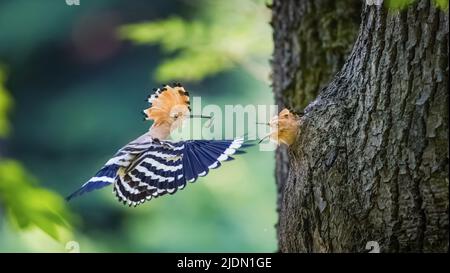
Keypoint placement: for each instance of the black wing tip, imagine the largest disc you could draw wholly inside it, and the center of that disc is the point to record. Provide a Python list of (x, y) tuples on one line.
[(73, 195), (77, 193)]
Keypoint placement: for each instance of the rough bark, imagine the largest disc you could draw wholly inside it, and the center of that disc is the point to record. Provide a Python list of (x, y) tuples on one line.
[(371, 158), (312, 40)]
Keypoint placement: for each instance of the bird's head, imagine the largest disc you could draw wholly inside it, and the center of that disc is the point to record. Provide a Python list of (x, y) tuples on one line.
[(177, 114), (283, 128), (169, 107)]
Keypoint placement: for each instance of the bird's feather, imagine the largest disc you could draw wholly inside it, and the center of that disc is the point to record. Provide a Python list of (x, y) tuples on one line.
[(176, 164), (147, 168)]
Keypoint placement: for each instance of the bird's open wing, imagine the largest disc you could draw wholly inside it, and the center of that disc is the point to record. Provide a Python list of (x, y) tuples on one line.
[(107, 175), (167, 167)]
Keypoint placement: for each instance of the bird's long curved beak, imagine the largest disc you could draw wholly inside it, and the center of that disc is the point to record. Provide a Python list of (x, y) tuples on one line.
[(200, 116), (263, 123), (208, 123)]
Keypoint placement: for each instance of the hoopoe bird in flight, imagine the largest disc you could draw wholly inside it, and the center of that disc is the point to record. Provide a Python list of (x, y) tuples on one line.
[(151, 165), (283, 128)]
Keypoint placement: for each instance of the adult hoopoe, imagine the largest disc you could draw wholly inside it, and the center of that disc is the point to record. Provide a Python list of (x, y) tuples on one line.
[(283, 128), (152, 166)]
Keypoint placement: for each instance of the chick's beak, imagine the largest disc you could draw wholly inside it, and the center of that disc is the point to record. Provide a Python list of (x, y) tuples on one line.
[(266, 136)]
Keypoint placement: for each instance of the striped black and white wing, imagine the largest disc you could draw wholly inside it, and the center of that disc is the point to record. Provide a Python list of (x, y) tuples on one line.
[(108, 174), (167, 167), (153, 173)]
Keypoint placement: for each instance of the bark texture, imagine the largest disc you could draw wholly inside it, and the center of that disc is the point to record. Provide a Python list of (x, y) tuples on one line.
[(371, 158), (312, 40)]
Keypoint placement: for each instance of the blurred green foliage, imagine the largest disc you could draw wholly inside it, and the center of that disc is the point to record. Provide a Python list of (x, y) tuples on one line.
[(28, 205), (400, 4), (226, 34), (443, 4), (197, 57), (5, 104)]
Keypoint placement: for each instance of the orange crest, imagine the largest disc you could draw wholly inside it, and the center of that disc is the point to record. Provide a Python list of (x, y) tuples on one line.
[(167, 104)]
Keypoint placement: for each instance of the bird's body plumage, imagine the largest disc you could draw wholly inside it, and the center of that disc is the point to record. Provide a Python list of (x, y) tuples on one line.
[(149, 167)]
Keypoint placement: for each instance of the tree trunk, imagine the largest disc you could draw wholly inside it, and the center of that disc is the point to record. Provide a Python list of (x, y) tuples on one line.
[(371, 158), (313, 38)]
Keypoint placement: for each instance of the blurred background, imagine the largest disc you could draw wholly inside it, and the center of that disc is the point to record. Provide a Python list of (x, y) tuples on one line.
[(73, 80)]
